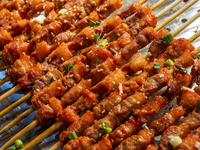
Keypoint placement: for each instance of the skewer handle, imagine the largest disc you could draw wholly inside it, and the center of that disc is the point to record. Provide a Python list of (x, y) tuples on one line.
[(2, 81), (143, 1), (176, 14), (183, 26), (197, 51), (56, 146), (15, 104), (43, 135), (20, 134), (10, 92), (195, 36), (156, 5), (16, 120), (168, 8)]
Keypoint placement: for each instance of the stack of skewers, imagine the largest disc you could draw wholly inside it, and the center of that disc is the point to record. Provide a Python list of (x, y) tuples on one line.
[(89, 81)]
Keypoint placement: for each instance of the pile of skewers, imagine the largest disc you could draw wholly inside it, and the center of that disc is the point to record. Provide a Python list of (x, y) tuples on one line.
[(88, 80)]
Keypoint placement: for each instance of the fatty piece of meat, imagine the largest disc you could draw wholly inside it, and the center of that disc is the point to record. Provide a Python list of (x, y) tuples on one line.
[(46, 80)]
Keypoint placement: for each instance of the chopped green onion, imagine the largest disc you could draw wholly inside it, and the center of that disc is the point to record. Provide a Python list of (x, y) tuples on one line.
[(69, 67), (96, 37), (18, 143), (12, 148), (197, 56), (103, 43), (149, 54), (33, 7), (54, 79), (157, 138), (182, 69), (185, 88), (108, 130), (105, 125), (156, 66), (167, 38), (198, 105), (146, 76), (169, 63), (96, 24), (137, 73), (73, 136)]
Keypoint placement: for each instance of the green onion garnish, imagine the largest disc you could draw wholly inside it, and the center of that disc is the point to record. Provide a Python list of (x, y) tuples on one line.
[(149, 54), (137, 73), (33, 7), (103, 43), (73, 136), (96, 24), (167, 38), (54, 79), (18, 143), (156, 66), (146, 76), (185, 88), (198, 105), (69, 67), (169, 63), (96, 37), (182, 69), (105, 125), (157, 138), (197, 56), (108, 130)]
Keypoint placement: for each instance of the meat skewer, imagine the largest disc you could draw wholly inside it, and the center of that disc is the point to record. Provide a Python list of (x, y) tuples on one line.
[(29, 94), (43, 31), (112, 84), (132, 124), (155, 128), (141, 63), (6, 94), (188, 100), (117, 136), (53, 125)]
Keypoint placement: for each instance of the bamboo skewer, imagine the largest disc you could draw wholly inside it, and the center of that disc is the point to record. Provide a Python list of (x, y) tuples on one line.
[(10, 92), (158, 4), (30, 126), (7, 78), (16, 120), (176, 14), (56, 125)]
